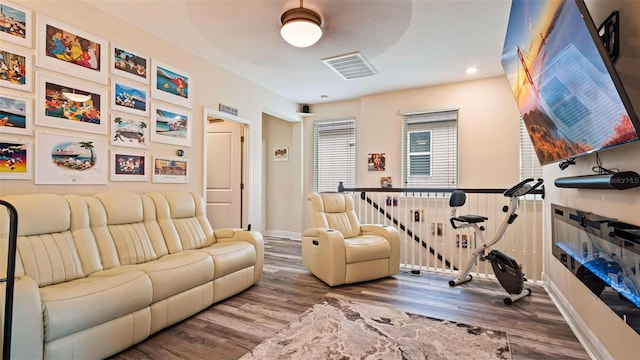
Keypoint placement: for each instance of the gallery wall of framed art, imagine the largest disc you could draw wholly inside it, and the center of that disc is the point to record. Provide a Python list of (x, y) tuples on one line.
[(77, 108)]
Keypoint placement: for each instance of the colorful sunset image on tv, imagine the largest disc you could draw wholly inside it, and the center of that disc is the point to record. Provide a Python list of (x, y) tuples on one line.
[(13, 158), (73, 104), (13, 21), (171, 124), (13, 68), (13, 113), (566, 95), (71, 48), (75, 156), (172, 82)]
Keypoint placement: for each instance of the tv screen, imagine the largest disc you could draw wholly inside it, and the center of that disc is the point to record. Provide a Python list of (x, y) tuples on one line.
[(565, 86)]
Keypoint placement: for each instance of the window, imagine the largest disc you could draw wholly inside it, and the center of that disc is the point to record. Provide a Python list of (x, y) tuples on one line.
[(529, 163), (334, 154), (430, 149)]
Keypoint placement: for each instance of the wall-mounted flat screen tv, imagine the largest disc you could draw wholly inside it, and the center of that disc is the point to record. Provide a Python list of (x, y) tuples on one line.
[(567, 90)]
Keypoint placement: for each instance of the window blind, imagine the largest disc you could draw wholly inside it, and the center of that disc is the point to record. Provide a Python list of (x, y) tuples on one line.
[(430, 149), (529, 163), (334, 154)]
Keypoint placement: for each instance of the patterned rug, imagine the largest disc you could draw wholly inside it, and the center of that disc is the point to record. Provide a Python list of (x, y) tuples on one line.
[(340, 329)]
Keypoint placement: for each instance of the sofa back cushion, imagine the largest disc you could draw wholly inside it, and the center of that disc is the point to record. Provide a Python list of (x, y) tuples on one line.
[(55, 243), (182, 219), (125, 228)]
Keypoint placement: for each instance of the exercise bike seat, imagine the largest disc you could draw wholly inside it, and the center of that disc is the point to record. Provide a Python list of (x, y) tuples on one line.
[(458, 198)]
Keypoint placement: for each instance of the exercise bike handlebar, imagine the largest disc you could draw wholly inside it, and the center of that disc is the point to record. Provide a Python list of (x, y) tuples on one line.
[(523, 187)]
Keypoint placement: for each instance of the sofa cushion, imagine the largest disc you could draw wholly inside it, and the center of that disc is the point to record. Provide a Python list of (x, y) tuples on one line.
[(80, 304), (229, 257), (39, 214), (173, 274), (366, 247)]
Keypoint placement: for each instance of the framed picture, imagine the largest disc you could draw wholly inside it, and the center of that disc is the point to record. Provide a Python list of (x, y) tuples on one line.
[(281, 153), (130, 131), (129, 98), (15, 24), (15, 69), (70, 105), (386, 182), (65, 159), (129, 64), (170, 170), (170, 125), (15, 115), (63, 48), (128, 165), (376, 162), (15, 159), (170, 84), (462, 240), (437, 229)]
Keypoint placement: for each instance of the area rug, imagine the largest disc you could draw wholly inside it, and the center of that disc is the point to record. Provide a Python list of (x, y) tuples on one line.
[(341, 329)]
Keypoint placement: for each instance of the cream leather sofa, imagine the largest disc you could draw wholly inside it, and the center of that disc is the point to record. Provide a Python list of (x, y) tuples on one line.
[(100, 273)]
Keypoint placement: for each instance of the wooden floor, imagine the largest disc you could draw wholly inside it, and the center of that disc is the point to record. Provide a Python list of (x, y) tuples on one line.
[(229, 329)]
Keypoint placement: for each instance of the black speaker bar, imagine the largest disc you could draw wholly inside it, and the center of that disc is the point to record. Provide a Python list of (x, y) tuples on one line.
[(617, 181)]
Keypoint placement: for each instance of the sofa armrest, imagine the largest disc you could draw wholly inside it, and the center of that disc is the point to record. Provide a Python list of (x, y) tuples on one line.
[(391, 234), (27, 334), (322, 248), (253, 237)]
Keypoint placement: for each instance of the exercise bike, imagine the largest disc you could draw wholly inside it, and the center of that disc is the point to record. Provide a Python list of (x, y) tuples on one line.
[(507, 270)]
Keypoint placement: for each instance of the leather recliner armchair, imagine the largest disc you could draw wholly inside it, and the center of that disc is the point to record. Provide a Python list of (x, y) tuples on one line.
[(339, 250)]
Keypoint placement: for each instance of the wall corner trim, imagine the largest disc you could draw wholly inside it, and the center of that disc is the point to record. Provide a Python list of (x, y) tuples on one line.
[(587, 338)]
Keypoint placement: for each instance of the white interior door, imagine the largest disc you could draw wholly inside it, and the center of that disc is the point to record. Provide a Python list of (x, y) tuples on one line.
[(224, 173)]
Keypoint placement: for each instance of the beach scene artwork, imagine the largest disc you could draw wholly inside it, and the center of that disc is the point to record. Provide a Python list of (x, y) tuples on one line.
[(13, 115), (130, 99), (170, 126), (15, 24), (171, 85), (130, 65), (68, 159), (14, 160), (129, 131)]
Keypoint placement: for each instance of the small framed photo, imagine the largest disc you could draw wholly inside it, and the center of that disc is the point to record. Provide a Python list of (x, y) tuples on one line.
[(70, 105), (130, 131), (63, 48), (386, 182), (462, 240), (170, 170), (129, 98), (170, 125), (15, 160), (127, 165), (170, 84), (16, 24), (281, 153), (129, 64), (437, 229), (376, 162), (15, 69), (65, 159), (16, 113)]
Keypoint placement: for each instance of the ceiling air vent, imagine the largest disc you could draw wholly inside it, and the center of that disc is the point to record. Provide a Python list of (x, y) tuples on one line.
[(350, 66)]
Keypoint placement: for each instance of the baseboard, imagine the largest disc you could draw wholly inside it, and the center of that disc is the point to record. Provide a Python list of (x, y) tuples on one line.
[(284, 234), (589, 341)]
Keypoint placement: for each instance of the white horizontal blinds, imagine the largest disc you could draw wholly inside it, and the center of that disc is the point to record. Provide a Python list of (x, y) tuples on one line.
[(529, 163), (334, 154), (430, 149)]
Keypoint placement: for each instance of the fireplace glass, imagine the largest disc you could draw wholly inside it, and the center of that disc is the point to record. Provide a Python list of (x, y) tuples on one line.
[(604, 254)]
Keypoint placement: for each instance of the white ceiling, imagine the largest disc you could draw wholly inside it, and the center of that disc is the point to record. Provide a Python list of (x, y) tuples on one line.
[(411, 43)]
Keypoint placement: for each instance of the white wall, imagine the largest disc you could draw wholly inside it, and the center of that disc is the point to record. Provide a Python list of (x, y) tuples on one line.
[(211, 85), (488, 131)]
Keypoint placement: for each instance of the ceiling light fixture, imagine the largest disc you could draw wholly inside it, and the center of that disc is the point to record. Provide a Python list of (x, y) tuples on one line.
[(472, 70), (301, 27)]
